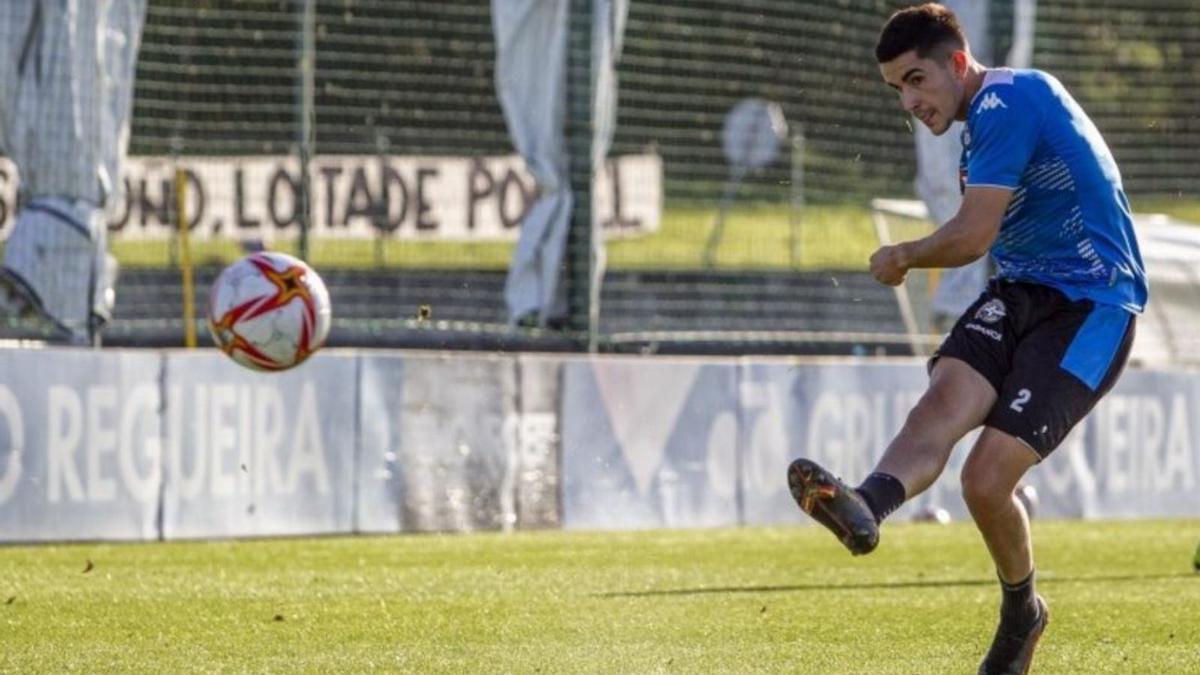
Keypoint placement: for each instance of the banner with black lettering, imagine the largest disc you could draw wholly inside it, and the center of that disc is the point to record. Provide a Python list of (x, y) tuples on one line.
[(438, 443), (254, 198), (80, 443), (251, 453), (649, 443)]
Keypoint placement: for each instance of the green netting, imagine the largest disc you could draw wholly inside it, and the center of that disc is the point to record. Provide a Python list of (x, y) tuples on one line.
[(416, 78), (220, 78)]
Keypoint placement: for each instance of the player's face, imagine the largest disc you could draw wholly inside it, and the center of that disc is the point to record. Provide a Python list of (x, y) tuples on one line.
[(930, 88)]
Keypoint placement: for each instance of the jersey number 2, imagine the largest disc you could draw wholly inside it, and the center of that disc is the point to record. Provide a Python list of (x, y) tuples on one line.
[(1022, 398)]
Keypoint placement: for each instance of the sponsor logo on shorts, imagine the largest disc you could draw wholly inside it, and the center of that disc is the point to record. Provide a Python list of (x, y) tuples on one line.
[(990, 332), (992, 311)]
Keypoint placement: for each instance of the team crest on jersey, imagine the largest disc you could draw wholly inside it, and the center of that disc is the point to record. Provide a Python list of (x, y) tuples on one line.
[(991, 101), (991, 312)]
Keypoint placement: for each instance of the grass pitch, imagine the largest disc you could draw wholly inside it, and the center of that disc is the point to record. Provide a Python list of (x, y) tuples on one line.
[(755, 237), (1123, 599)]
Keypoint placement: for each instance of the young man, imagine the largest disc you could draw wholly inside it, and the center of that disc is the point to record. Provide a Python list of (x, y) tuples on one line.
[(1045, 341)]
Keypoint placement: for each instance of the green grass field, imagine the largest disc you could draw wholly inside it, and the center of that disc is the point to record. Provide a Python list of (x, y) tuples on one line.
[(838, 237), (763, 237), (1123, 599)]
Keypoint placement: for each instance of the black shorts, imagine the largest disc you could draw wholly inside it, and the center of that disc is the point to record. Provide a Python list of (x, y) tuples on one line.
[(1050, 359)]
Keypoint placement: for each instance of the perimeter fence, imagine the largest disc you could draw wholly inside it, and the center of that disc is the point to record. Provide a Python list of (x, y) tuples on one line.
[(368, 136)]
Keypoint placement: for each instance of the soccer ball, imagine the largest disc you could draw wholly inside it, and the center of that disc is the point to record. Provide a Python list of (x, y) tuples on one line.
[(269, 311), (932, 513)]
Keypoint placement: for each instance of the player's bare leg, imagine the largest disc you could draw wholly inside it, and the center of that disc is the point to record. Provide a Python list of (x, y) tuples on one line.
[(989, 480), (956, 402)]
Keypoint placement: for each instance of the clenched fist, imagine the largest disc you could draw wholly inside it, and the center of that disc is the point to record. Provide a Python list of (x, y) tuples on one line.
[(888, 265)]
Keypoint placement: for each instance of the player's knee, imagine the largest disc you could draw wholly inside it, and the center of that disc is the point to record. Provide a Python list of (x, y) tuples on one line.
[(982, 487), (933, 409)]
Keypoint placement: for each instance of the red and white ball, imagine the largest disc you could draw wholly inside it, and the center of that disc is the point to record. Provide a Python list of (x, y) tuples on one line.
[(269, 311)]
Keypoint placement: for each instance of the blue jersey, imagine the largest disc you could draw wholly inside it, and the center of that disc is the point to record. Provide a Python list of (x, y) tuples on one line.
[(1068, 225)]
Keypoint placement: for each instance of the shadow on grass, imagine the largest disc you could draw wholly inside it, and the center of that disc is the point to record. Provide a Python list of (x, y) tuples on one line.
[(894, 585)]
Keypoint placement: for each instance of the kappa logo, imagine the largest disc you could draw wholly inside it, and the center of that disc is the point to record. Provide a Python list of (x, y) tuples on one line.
[(991, 312), (991, 101)]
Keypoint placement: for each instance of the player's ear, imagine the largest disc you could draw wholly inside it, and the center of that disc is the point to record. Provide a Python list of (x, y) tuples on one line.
[(959, 62)]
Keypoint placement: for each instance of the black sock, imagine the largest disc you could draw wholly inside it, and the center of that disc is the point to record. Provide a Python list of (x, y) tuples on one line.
[(1018, 604), (883, 492)]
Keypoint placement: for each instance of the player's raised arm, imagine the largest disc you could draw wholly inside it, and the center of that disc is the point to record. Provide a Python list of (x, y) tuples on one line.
[(1041, 345), (965, 238)]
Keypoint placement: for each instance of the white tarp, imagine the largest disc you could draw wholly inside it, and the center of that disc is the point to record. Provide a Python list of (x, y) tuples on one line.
[(66, 84), (66, 90), (531, 68)]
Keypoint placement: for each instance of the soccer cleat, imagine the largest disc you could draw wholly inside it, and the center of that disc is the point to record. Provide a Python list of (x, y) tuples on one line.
[(1011, 654), (835, 505)]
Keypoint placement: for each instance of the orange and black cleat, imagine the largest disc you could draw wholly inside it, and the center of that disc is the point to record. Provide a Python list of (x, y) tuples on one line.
[(835, 505)]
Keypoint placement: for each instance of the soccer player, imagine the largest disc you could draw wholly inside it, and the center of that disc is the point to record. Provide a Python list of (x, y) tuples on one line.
[(1043, 343)]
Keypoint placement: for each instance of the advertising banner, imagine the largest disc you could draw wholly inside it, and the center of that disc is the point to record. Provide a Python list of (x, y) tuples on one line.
[(1136, 455), (649, 443), (80, 444), (438, 443), (251, 453), (843, 415), (538, 434), (128, 445)]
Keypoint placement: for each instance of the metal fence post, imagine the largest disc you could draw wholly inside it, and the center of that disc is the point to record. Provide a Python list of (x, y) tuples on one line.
[(582, 306), (306, 63)]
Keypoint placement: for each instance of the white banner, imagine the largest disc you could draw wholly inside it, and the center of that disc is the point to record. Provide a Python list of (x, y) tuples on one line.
[(1136, 455), (438, 443), (140, 445), (80, 444), (249, 454), (649, 443), (357, 197)]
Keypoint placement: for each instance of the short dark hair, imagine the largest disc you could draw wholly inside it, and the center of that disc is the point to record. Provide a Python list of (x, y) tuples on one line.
[(923, 28)]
